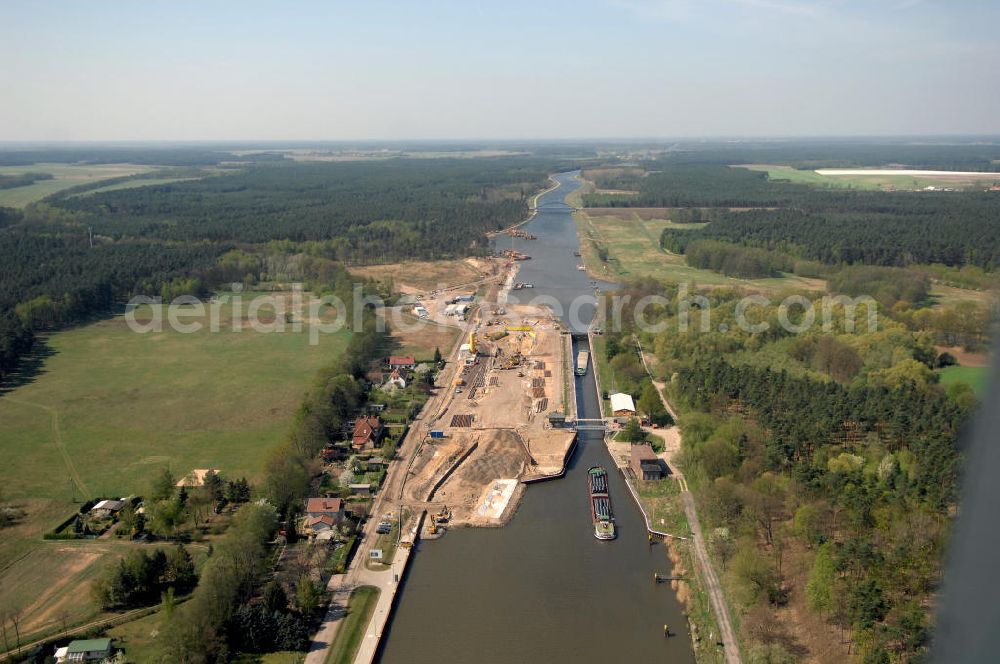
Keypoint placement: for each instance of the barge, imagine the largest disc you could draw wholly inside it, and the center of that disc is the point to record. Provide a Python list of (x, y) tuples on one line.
[(600, 503), (582, 360)]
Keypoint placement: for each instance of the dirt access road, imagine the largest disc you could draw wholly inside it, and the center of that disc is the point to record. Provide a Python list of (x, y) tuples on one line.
[(715, 597)]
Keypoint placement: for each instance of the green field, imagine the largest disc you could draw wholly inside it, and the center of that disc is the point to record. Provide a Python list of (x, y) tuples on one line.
[(111, 406), (64, 177), (880, 181), (633, 246), (976, 377), (360, 608)]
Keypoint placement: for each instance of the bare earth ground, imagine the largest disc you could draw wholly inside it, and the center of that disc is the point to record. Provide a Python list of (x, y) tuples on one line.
[(518, 379), (966, 358), (420, 276)]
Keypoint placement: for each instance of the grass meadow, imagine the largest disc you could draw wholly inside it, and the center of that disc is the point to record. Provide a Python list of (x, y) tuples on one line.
[(632, 240), (976, 377), (64, 177), (111, 406), (108, 408), (874, 181)]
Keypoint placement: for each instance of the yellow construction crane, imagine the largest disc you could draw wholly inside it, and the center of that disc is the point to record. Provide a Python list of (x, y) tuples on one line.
[(472, 343)]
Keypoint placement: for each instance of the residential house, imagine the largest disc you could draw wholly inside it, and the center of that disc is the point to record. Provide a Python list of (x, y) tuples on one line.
[(329, 507), (367, 434), (644, 463), (402, 362), (106, 508), (84, 650), (321, 523), (397, 380), (622, 405)]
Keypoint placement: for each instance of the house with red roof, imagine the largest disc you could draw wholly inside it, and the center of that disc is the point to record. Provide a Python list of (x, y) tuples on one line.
[(324, 512), (402, 362), (368, 432)]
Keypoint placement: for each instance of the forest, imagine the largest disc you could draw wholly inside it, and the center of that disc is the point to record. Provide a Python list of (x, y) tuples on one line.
[(22, 180), (830, 225), (956, 236), (70, 258), (372, 212), (825, 465)]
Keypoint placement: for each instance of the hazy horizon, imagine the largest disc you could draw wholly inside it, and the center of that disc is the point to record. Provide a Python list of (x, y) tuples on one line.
[(611, 70)]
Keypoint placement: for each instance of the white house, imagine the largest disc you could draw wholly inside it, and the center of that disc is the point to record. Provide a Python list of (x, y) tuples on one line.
[(397, 380), (622, 405), (84, 650)]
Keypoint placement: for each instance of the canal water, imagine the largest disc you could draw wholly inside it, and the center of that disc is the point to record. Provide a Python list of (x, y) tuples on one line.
[(542, 588)]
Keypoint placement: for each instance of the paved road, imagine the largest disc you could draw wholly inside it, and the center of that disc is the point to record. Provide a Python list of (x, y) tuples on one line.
[(388, 499)]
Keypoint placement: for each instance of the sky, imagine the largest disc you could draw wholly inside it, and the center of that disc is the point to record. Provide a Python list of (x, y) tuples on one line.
[(256, 70)]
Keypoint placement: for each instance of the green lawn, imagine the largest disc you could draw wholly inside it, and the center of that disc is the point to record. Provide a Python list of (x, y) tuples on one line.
[(602, 367), (976, 377), (633, 246), (360, 608), (111, 406), (662, 501), (139, 637), (64, 177)]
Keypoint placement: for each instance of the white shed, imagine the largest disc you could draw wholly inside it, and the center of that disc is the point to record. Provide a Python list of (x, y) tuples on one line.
[(622, 405)]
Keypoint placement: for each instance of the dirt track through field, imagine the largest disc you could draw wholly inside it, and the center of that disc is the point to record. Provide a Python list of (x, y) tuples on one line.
[(57, 437)]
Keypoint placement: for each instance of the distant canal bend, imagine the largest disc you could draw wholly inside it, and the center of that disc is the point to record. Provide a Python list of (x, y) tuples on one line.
[(543, 589)]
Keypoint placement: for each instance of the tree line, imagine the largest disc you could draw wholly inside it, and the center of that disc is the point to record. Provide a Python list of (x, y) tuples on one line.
[(830, 225), (22, 179), (380, 211)]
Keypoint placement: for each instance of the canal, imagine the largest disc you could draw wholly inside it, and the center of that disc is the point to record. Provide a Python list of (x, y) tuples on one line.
[(542, 588)]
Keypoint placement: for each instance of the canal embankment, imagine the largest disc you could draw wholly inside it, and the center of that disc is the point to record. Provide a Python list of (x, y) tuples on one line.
[(543, 588)]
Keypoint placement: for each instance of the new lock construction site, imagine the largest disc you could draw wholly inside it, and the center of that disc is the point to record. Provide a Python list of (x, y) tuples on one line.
[(492, 432)]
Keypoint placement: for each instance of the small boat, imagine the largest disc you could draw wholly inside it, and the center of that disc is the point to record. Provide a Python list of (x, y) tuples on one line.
[(581, 267), (576, 253), (600, 503)]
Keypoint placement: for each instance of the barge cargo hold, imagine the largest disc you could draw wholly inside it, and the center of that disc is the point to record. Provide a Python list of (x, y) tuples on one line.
[(600, 503)]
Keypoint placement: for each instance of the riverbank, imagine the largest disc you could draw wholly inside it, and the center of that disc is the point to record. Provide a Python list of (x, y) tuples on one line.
[(533, 206), (668, 510)]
